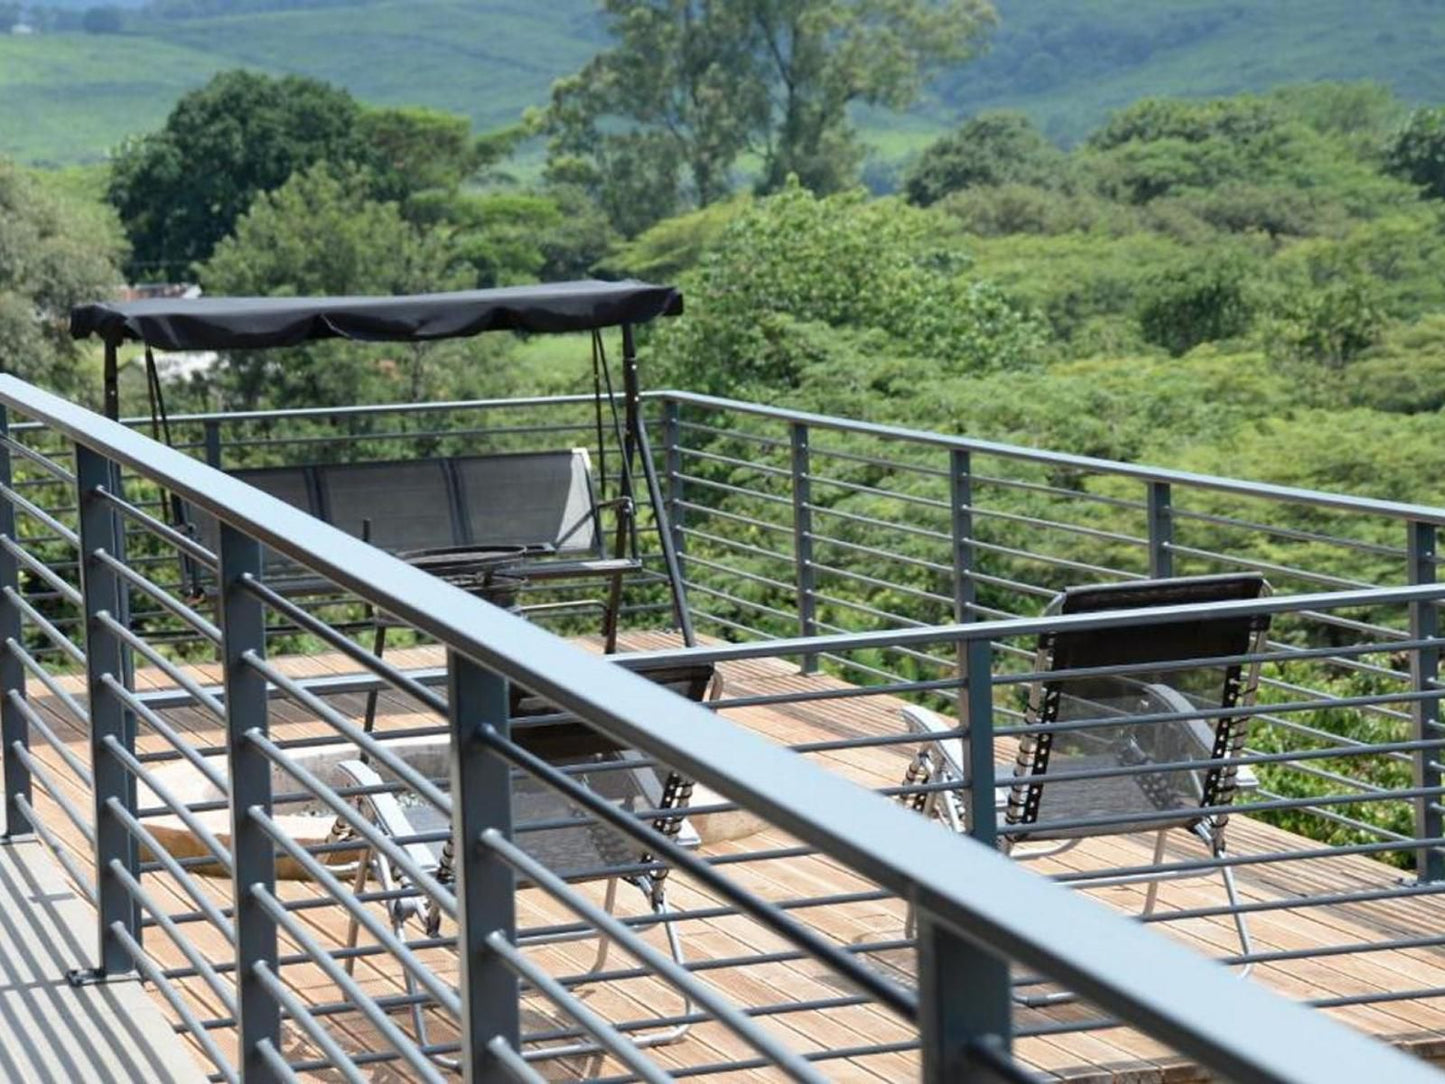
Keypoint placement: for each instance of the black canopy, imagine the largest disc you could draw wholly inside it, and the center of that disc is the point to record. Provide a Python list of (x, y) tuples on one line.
[(230, 323)]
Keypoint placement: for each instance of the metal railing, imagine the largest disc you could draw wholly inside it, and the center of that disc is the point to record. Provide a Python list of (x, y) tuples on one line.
[(259, 972)]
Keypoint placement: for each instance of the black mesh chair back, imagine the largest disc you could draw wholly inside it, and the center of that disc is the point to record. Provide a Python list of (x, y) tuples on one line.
[(293, 485), (408, 502), (536, 499), (1125, 795), (559, 737)]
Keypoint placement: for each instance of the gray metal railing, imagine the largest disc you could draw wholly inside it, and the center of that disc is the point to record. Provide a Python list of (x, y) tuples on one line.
[(954, 1005)]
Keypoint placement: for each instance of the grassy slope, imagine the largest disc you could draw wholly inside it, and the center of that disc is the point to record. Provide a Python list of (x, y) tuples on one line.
[(69, 97)]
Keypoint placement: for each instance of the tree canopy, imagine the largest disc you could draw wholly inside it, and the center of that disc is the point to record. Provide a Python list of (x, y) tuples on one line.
[(181, 189), (55, 252), (659, 121)]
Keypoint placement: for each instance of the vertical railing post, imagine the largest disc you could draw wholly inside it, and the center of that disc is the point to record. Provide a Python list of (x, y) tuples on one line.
[(213, 443), (13, 726), (253, 854), (672, 465), (481, 789), (964, 1005), (1425, 670), (960, 500), (977, 717), (106, 656), (803, 540), (1161, 532), (964, 993)]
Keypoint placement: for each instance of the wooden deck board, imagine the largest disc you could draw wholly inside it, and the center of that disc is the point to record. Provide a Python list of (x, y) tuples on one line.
[(1084, 1057)]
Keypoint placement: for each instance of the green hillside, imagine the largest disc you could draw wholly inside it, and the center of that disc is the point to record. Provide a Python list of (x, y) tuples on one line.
[(68, 97)]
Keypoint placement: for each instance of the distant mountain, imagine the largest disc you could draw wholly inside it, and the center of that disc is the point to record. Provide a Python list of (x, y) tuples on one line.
[(69, 97)]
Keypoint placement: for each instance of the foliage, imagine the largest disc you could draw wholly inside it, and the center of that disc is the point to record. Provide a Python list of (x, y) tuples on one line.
[(181, 189), (989, 150), (320, 233), (673, 245), (54, 253), (1325, 308), (1194, 304), (793, 262), (1417, 152), (659, 121)]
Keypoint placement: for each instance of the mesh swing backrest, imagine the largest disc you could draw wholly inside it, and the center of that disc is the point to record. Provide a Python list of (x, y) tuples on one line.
[(409, 502), (293, 485), (541, 499), (1173, 796)]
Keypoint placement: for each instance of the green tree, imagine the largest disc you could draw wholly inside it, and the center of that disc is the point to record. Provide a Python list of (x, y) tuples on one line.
[(181, 189), (320, 233), (990, 150), (661, 119), (1194, 304), (55, 252), (790, 270), (1417, 153)]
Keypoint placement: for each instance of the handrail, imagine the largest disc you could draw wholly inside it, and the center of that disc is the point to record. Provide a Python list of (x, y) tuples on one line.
[(1293, 494), (1144, 472), (1241, 1031)]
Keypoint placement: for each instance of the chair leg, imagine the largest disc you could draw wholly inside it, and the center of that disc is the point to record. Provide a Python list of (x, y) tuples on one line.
[(353, 927), (1231, 890), (378, 647), (604, 943), (1151, 895)]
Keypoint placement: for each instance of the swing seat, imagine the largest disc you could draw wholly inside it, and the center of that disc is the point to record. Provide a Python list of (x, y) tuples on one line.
[(473, 520)]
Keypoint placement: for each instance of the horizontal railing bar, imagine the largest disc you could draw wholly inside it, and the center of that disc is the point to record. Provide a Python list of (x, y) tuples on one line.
[(394, 945), (181, 748), (735, 517), (38, 723), (730, 543), (56, 847), (397, 678), (189, 1022), (1256, 565), (62, 642), (68, 592), (163, 598), (164, 531), (1290, 494), (724, 487), (746, 464), (1292, 533), (336, 1058), (378, 1019), (663, 965), (751, 577), (618, 1045), (162, 663), (363, 827), (223, 991), (218, 851), (33, 510), (873, 551), (43, 462), (739, 434), (353, 733), (873, 581), (42, 775)]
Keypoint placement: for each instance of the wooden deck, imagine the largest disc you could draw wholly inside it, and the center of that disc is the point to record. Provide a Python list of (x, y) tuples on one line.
[(1113, 1054)]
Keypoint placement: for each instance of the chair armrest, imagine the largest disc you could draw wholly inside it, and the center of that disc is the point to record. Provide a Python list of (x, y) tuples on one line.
[(387, 813), (943, 733)]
